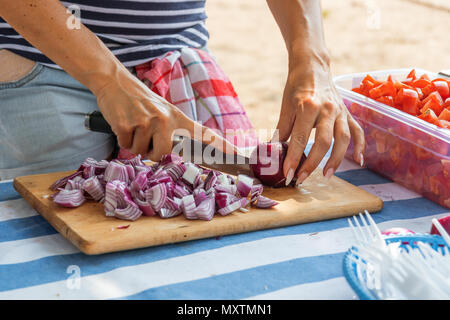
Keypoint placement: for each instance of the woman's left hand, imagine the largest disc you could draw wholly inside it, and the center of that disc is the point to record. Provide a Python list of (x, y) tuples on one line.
[(310, 100)]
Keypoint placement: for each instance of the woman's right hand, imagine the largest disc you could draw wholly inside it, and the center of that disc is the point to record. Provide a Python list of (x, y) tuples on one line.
[(137, 116)]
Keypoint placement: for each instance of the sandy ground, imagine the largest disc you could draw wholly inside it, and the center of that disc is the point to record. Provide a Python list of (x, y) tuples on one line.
[(362, 35)]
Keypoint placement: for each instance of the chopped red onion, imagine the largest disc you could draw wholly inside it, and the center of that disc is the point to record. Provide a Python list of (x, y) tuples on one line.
[(140, 182), (188, 206), (130, 171), (136, 161), (156, 196), (175, 170), (224, 199), (69, 198), (206, 209), (244, 185), (116, 171), (210, 180), (191, 173), (256, 191), (168, 213), (222, 179), (110, 202), (61, 183), (180, 191), (75, 183), (230, 208), (231, 188), (172, 204), (171, 158), (130, 212), (94, 188), (199, 196), (264, 202), (129, 189), (145, 207)]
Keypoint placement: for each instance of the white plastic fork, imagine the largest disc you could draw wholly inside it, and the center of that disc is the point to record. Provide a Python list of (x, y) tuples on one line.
[(369, 232), (403, 277)]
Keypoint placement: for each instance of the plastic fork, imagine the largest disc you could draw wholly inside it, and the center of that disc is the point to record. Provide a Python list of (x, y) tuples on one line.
[(403, 276), (369, 232), (414, 280)]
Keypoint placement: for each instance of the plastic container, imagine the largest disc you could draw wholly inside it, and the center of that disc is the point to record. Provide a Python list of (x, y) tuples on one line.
[(399, 146)]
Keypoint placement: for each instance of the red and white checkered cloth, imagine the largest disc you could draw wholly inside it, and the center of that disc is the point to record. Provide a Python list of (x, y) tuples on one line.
[(192, 80)]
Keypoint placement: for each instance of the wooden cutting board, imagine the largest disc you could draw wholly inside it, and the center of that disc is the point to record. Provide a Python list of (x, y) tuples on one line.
[(92, 232)]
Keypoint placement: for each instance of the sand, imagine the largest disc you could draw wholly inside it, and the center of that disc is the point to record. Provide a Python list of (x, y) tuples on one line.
[(362, 35)]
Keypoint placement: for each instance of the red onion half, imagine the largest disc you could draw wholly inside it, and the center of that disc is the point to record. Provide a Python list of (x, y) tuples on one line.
[(266, 162)]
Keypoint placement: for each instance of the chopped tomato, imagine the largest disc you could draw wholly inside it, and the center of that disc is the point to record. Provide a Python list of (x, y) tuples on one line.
[(428, 89), (412, 74), (424, 76), (400, 85), (417, 95), (386, 100), (410, 101), (445, 115), (433, 96), (385, 89), (432, 105), (443, 124), (442, 88), (447, 103), (429, 116), (421, 83)]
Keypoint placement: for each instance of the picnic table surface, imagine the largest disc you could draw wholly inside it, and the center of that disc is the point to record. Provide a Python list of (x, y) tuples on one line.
[(295, 262)]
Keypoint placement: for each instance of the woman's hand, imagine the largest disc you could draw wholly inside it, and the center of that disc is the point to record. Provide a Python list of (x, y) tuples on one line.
[(137, 116), (310, 100)]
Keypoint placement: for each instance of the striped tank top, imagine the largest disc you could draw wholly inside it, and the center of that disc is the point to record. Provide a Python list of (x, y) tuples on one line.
[(136, 31)]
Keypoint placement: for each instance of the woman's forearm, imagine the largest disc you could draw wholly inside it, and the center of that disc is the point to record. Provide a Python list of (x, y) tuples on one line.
[(77, 50), (300, 22)]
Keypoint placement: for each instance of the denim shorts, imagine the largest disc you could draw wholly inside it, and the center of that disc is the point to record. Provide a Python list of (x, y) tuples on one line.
[(42, 124)]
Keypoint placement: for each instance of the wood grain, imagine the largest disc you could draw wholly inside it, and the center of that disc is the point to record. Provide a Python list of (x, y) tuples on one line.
[(92, 232)]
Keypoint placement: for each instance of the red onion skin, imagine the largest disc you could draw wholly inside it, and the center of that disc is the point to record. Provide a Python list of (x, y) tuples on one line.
[(258, 162)]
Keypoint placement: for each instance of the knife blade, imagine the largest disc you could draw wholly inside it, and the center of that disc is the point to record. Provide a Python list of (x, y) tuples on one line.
[(445, 73), (191, 150)]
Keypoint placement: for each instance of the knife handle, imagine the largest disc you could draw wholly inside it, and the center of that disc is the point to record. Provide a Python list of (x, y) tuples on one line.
[(94, 121)]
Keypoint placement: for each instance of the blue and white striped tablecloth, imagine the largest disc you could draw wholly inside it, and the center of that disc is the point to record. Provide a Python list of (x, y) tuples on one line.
[(295, 262)]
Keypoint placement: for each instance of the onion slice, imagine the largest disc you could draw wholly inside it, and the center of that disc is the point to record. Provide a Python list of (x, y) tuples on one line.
[(244, 185), (230, 208), (94, 188), (264, 202), (69, 198)]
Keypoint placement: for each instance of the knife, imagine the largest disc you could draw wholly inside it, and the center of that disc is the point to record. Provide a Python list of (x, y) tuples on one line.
[(445, 73), (191, 150)]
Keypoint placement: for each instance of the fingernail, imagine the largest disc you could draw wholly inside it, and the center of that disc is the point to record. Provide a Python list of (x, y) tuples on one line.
[(329, 173), (289, 177), (301, 177), (361, 157)]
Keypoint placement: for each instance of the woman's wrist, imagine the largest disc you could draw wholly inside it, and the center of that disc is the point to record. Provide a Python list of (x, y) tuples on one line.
[(304, 54)]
